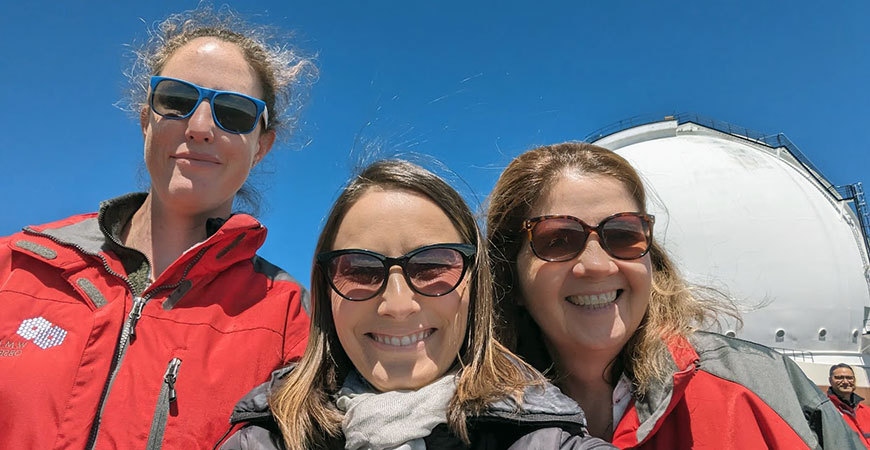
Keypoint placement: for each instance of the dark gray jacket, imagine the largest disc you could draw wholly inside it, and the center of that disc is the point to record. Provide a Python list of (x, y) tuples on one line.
[(547, 420)]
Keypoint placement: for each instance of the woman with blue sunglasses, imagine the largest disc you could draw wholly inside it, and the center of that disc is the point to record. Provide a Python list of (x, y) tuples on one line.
[(141, 325), (401, 351)]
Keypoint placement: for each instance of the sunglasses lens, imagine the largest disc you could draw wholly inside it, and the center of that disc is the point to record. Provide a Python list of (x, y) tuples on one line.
[(356, 276), (174, 99), (626, 237), (558, 239), (436, 271), (235, 113)]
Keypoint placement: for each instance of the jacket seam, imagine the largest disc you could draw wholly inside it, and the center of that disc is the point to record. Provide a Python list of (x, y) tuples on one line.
[(284, 348), (41, 298), (238, 330), (79, 367)]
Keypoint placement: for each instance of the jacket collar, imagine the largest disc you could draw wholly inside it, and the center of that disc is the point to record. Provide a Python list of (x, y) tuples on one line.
[(663, 396), (854, 399), (116, 213), (542, 407), (232, 240)]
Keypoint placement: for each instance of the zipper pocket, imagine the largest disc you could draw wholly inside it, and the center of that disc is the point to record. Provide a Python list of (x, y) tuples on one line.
[(164, 402)]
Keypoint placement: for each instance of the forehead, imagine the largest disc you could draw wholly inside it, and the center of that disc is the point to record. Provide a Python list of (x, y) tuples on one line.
[(215, 64), (587, 197), (393, 222), (842, 371)]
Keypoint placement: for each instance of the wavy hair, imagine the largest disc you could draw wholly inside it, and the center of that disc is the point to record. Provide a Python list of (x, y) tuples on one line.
[(487, 370), (675, 308), (284, 72)]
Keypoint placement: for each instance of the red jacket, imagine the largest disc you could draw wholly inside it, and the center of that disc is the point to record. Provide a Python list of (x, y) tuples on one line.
[(731, 394), (855, 413), (77, 365)]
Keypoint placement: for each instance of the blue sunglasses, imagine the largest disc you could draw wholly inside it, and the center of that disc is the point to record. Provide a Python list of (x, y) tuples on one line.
[(232, 112)]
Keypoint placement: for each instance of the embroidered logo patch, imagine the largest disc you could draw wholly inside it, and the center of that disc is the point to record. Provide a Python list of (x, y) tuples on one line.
[(42, 332)]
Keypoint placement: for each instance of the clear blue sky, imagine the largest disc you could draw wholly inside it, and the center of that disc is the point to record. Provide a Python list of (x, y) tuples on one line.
[(472, 84)]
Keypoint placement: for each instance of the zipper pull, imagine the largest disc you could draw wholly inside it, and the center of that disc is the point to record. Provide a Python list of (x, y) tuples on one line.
[(135, 314), (170, 376)]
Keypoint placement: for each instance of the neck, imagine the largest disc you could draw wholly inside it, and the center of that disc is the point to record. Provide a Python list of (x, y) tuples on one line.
[(587, 381), (163, 234)]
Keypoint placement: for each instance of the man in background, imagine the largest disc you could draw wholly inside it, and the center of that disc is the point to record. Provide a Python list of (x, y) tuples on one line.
[(842, 394)]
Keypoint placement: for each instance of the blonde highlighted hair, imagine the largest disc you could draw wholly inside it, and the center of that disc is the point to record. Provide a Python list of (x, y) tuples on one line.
[(674, 308), (487, 371)]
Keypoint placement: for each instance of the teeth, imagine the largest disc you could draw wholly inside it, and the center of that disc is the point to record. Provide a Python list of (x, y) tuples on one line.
[(594, 300), (403, 341)]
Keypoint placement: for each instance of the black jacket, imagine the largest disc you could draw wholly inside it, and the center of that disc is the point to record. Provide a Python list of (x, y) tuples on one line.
[(547, 420)]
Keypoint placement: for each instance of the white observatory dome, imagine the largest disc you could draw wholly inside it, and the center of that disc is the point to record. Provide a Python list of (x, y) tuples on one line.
[(751, 220)]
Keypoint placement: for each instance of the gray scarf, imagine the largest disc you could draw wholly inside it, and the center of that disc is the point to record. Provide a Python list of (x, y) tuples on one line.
[(396, 420)]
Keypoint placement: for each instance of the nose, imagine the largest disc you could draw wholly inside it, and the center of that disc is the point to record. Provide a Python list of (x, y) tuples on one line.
[(200, 124), (593, 261), (398, 300)]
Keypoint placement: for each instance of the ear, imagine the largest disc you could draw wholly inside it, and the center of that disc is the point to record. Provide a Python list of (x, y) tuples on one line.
[(144, 114), (264, 145)]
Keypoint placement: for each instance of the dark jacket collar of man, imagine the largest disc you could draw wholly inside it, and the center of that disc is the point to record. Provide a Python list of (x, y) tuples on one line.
[(852, 402)]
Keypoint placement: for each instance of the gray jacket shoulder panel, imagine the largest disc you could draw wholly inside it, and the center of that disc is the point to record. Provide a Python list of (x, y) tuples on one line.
[(275, 273), (764, 372), (85, 234), (549, 420), (778, 382), (558, 439), (253, 438), (541, 405), (255, 404)]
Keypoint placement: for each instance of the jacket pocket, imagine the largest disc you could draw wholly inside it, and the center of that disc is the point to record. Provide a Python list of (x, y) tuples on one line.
[(165, 400)]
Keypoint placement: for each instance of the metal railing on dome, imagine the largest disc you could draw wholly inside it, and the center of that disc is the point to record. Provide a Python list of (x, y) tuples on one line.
[(796, 355), (852, 193)]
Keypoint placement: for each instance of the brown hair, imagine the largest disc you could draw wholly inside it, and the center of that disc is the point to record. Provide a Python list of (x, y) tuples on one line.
[(674, 309), (487, 370)]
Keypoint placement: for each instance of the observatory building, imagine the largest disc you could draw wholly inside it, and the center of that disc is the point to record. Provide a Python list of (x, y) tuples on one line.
[(749, 215)]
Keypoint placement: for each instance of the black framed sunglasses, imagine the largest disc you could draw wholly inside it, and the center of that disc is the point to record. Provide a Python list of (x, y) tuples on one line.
[(626, 236), (232, 111), (433, 270)]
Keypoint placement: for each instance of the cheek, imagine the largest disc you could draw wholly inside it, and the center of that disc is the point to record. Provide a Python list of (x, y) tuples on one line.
[(533, 278), (525, 275), (639, 277), (453, 311), (342, 317), (159, 136)]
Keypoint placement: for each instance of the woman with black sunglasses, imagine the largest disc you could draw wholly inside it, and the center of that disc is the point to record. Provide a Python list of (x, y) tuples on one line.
[(401, 351), (142, 325), (588, 294)]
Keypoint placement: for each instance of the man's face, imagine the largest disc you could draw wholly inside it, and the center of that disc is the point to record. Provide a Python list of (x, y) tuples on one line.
[(842, 382)]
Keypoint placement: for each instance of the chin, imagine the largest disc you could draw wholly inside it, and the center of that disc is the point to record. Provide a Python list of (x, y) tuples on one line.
[(195, 201), (402, 380)]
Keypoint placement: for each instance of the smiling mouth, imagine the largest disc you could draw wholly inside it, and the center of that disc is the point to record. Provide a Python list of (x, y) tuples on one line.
[(594, 301), (194, 159), (401, 341)]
